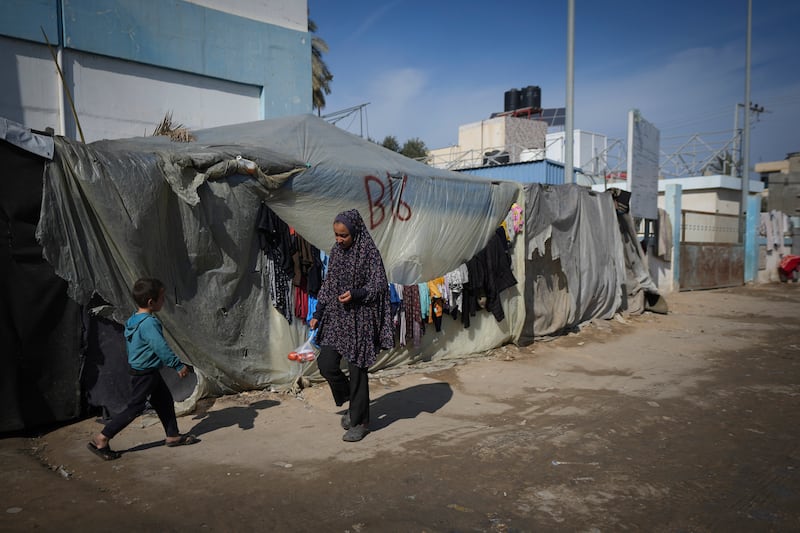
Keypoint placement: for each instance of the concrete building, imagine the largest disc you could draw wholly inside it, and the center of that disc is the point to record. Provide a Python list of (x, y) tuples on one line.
[(706, 229), (127, 63), (540, 171), (710, 205), (589, 153), (782, 179), (494, 141)]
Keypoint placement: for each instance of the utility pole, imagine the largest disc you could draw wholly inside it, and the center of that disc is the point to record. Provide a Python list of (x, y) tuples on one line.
[(737, 142), (737, 136), (569, 174), (746, 155)]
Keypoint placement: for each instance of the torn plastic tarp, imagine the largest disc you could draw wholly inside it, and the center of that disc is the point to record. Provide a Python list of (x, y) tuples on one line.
[(575, 267), (114, 211)]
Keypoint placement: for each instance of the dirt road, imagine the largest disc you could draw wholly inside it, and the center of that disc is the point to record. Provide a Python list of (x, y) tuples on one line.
[(682, 422)]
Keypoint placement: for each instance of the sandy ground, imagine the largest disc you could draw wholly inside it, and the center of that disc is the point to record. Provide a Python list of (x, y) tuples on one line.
[(678, 422)]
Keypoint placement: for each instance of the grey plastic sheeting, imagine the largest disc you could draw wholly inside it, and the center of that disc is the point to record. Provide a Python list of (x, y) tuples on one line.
[(576, 268), (114, 211), (22, 137)]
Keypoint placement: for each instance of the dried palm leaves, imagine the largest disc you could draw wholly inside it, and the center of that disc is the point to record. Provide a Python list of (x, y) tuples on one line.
[(176, 132)]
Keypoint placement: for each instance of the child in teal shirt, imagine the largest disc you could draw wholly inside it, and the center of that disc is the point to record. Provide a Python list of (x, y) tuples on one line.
[(148, 351)]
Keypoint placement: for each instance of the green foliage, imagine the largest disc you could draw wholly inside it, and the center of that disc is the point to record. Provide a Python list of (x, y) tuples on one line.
[(415, 149), (390, 142), (320, 75)]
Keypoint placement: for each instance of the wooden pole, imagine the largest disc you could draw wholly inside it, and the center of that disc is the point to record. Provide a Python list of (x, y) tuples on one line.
[(64, 84)]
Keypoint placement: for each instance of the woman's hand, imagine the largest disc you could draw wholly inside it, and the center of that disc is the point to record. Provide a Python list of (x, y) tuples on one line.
[(313, 323), (183, 372), (345, 297)]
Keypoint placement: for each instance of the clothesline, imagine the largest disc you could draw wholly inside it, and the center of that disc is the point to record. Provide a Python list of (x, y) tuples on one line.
[(460, 293)]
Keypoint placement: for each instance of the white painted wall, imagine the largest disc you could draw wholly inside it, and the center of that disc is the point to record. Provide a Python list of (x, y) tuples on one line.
[(116, 99), (29, 85), (586, 146), (289, 14)]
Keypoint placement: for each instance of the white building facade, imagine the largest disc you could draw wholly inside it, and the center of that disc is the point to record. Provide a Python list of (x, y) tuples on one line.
[(126, 64)]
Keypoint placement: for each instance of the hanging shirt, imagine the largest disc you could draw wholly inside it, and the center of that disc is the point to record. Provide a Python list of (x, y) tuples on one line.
[(424, 300), (413, 314)]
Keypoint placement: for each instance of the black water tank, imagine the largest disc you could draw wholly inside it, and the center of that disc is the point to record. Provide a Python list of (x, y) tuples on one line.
[(511, 100), (531, 96)]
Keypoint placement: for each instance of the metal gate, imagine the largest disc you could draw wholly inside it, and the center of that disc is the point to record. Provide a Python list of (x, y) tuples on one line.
[(711, 255)]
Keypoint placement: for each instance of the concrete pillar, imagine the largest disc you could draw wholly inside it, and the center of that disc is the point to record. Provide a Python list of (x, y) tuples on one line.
[(750, 238), (672, 205)]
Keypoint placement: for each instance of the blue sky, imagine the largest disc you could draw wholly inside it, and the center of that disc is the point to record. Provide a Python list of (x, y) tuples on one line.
[(427, 67)]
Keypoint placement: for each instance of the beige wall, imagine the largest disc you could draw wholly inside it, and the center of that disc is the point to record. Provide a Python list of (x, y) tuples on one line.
[(722, 201), (483, 135), (500, 132), (510, 134)]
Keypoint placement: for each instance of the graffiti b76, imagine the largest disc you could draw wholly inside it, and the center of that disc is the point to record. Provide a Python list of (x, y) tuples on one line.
[(380, 202)]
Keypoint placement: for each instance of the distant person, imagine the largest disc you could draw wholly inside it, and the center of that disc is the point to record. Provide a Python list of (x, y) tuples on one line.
[(352, 319), (147, 353)]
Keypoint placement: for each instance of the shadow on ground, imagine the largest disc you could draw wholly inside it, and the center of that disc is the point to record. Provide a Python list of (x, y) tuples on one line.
[(242, 416), (408, 403)]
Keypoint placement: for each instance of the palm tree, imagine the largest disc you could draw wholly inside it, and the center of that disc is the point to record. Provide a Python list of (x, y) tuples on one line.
[(320, 75)]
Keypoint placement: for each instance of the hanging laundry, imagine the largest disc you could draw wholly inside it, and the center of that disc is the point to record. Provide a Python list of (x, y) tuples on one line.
[(437, 310), (280, 285), (508, 232), (301, 301), (472, 289), (275, 241), (495, 259), (424, 300), (455, 281), (446, 294), (273, 234), (323, 257), (394, 304), (513, 222), (312, 306), (413, 315), (401, 315), (436, 289), (315, 273)]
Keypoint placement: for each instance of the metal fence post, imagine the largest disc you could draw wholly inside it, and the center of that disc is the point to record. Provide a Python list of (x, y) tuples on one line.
[(752, 220), (672, 205)]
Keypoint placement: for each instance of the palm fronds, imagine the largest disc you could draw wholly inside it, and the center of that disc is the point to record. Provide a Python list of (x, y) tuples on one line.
[(175, 132)]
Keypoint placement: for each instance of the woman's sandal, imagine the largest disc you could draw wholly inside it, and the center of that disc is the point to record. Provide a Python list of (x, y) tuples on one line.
[(184, 440), (105, 453)]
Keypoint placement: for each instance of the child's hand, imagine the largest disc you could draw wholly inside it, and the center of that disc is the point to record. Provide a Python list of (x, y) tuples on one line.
[(183, 372)]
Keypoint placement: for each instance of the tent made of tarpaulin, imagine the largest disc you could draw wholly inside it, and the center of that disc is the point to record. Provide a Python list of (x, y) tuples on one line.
[(582, 260), (40, 327), (114, 211)]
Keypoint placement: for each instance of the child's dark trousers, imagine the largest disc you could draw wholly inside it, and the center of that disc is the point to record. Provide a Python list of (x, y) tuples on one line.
[(144, 385)]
